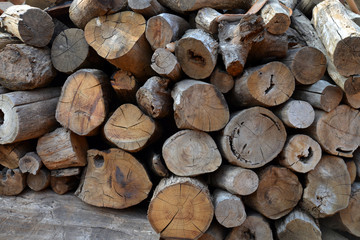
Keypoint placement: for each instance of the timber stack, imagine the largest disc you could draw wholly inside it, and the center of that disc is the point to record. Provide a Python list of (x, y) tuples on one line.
[(222, 119)]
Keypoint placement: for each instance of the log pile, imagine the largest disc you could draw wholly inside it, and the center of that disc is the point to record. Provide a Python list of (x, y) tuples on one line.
[(221, 119)]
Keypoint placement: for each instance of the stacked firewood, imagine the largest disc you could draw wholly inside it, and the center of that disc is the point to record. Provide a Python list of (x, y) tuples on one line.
[(232, 119)]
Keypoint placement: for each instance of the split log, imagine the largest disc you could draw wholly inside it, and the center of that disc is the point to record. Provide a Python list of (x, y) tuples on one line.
[(191, 153), (180, 208), (132, 52), (83, 104), (154, 97), (147, 8), (301, 153), (197, 53), (307, 64), (351, 167), (322, 95), (252, 138), (199, 105), (327, 188), (62, 185), (24, 67), (236, 180), (165, 28), (12, 182), (298, 225), (214, 232), (39, 181), (11, 154), (206, 19), (81, 12), (157, 165), (164, 63), (62, 149), (113, 178), (30, 163), (7, 38), (31, 25), (338, 131), (254, 227), (125, 86), (278, 193), (222, 80), (296, 114), (229, 209), (276, 17), (130, 129), (27, 114), (66, 172), (265, 85)]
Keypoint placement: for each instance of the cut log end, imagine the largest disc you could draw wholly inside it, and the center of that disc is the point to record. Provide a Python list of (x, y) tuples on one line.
[(31, 163), (12, 182), (39, 181), (346, 58), (296, 114)]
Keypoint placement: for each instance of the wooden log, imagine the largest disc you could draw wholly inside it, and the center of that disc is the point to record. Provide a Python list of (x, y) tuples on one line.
[(338, 132), (64, 215), (130, 129), (10, 154), (30, 163), (298, 225), (191, 153), (62, 149), (206, 19), (229, 209), (62, 185), (252, 138), (39, 181), (24, 67), (214, 232), (327, 188), (296, 114), (222, 80), (31, 25), (180, 208), (132, 53), (255, 227), (278, 193), (351, 167), (147, 8), (236, 180), (307, 6), (27, 114), (165, 28), (42, 4), (301, 153), (352, 100), (322, 95), (81, 12), (125, 86), (341, 37), (70, 52), (307, 64), (294, 39), (154, 97), (58, 28), (113, 178), (197, 54), (192, 5), (5, 5), (276, 17), (66, 172), (12, 182), (265, 85), (83, 104), (157, 165), (7, 38), (199, 105), (164, 63), (289, 3)]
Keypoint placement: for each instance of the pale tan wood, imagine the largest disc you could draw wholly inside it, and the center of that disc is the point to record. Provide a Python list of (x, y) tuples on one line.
[(65, 172), (27, 114), (229, 209), (351, 167), (191, 153), (327, 188), (130, 129), (12, 182), (236, 180), (298, 225), (31, 25), (125, 85), (83, 104), (31, 163), (322, 95), (7, 38), (39, 181), (206, 19), (10, 154), (157, 165), (270, 84), (147, 8), (171, 47), (165, 28), (154, 97), (25, 67), (278, 193), (276, 17), (165, 63), (82, 11), (222, 80), (214, 232), (301, 153), (62, 185), (252, 138), (197, 53), (199, 105), (62, 149), (180, 208)]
